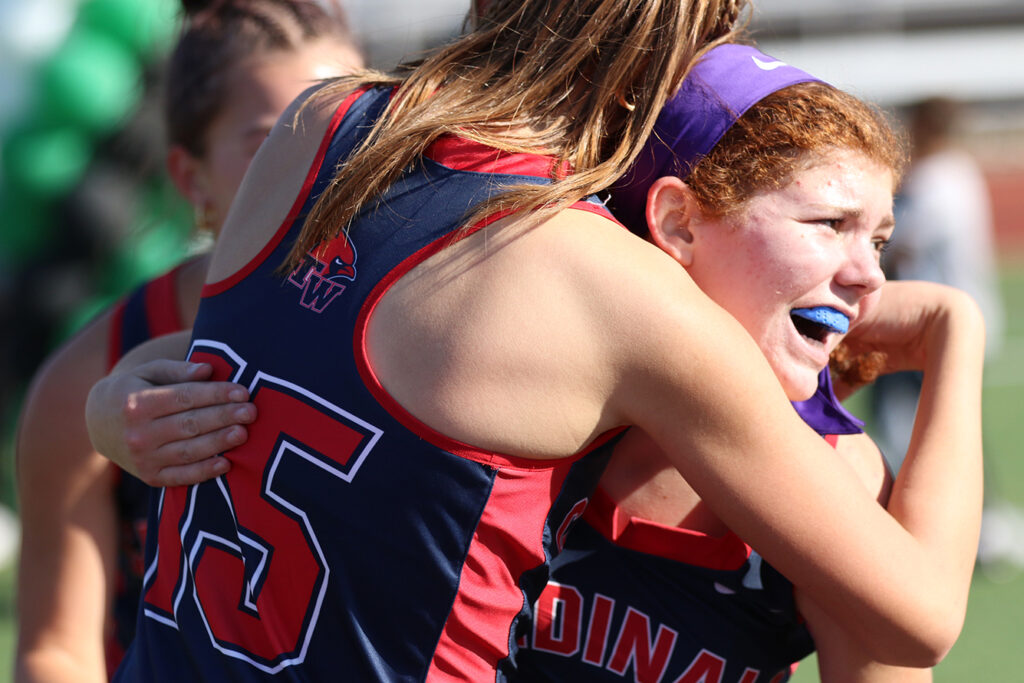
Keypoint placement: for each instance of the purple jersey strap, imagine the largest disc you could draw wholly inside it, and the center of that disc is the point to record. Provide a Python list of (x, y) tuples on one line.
[(720, 88), (824, 413)]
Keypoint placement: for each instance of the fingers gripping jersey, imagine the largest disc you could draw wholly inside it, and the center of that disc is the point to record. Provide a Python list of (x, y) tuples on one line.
[(149, 311), (349, 541), (633, 600)]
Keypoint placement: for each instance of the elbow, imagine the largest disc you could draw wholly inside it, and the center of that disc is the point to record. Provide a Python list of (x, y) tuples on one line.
[(942, 636), (924, 640)]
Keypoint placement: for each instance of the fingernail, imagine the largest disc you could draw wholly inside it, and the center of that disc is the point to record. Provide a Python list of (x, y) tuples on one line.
[(246, 413), (237, 435), (196, 368), (238, 395)]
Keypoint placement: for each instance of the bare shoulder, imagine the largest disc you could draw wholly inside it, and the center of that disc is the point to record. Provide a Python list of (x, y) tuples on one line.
[(666, 337), (532, 338), (59, 388), (610, 272), (272, 182)]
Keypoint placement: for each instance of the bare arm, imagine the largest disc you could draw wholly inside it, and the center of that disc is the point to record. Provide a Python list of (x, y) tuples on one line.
[(768, 480), (160, 420), (841, 659), (69, 527), (553, 334)]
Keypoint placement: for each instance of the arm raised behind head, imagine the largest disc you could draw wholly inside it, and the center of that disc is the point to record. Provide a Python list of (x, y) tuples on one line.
[(693, 380)]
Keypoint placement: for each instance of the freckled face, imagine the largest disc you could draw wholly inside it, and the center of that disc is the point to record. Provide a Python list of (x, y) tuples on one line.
[(814, 243)]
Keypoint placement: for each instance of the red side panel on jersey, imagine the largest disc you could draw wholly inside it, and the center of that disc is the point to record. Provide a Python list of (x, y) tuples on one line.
[(149, 311), (507, 543), (726, 552), (162, 305)]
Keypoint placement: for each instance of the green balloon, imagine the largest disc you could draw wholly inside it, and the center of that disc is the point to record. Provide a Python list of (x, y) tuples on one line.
[(160, 246), (26, 229), (150, 251), (45, 162), (91, 82), (144, 27)]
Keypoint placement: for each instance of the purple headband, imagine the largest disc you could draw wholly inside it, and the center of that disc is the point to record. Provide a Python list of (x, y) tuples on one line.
[(720, 88)]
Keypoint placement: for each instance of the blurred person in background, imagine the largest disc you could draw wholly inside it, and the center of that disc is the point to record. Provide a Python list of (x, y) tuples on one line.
[(236, 66), (945, 235)]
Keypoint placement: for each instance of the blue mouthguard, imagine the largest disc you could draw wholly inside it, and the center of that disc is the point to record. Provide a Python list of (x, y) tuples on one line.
[(824, 315)]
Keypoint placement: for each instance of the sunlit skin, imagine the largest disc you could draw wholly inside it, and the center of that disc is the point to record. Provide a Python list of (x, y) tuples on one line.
[(815, 242), (644, 348)]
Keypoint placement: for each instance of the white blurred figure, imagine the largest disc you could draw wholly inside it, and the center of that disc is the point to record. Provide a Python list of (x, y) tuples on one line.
[(945, 215), (943, 234)]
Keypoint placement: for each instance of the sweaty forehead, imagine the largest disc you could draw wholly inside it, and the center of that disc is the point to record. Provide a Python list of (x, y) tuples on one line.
[(842, 179)]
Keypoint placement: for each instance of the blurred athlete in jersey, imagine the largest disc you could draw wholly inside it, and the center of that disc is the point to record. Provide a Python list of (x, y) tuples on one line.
[(768, 213), (236, 66)]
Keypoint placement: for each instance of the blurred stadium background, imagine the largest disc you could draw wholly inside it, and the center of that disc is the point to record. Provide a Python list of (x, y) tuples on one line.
[(85, 212)]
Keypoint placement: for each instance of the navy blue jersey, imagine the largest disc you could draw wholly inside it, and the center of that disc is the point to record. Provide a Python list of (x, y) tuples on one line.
[(149, 311), (349, 541), (630, 599)]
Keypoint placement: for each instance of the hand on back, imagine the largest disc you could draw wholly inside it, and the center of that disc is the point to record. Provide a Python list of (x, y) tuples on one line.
[(163, 423)]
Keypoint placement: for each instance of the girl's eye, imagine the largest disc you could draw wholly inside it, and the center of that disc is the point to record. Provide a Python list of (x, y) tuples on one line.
[(881, 244), (832, 223)]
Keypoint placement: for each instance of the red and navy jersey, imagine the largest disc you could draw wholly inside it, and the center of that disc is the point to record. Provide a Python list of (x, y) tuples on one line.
[(349, 541), (630, 599), (149, 311)]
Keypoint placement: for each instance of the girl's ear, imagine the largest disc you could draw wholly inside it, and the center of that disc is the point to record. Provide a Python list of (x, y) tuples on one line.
[(671, 212), (187, 175)]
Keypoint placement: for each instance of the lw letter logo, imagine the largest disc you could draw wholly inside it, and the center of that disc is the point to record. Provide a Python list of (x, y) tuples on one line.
[(321, 272)]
